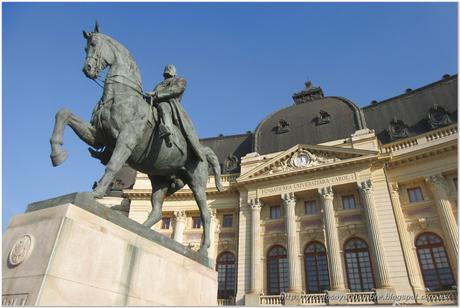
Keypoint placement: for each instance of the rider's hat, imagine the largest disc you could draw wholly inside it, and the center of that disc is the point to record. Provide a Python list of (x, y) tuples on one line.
[(170, 70)]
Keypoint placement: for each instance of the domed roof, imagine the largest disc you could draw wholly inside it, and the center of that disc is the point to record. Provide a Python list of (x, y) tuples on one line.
[(313, 119)]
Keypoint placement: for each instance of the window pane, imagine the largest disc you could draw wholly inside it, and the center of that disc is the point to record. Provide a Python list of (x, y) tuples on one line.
[(316, 271), (278, 274), (415, 194), (228, 221), (196, 222), (275, 212), (359, 270), (310, 207), (434, 262), (226, 275), (349, 202), (165, 222)]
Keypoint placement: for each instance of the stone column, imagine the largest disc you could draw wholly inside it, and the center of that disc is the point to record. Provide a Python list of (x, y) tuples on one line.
[(179, 228), (332, 239), (256, 285), (449, 225), (295, 280), (212, 232), (383, 276), (413, 267)]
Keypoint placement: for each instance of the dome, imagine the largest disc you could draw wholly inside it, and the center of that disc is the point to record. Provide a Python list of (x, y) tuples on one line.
[(313, 119)]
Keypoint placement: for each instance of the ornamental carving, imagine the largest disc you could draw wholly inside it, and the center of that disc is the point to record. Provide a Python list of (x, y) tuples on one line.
[(255, 204), (21, 250), (322, 118), (365, 186), (180, 216), (289, 199), (438, 116), (303, 159), (398, 129), (421, 224), (230, 163), (326, 193), (282, 127)]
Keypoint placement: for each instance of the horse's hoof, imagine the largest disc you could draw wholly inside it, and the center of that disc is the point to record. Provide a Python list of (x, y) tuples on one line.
[(59, 157)]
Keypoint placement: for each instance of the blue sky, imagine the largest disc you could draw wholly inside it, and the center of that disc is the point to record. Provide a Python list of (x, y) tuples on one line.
[(242, 62)]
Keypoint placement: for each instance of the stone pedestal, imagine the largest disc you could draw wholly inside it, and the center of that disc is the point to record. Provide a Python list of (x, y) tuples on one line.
[(337, 298), (252, 299), (386, 296), (72, 251)]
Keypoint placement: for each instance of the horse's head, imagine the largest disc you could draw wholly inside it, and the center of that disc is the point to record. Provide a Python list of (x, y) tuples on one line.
[(98, 53)]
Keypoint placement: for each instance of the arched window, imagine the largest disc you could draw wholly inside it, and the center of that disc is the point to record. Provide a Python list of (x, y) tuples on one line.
[(226, 275), (316, 272), (434, 262), (358, 264), (277, 270)]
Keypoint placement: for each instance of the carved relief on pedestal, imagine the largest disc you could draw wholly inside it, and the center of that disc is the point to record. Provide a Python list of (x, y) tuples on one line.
[(21, 250)]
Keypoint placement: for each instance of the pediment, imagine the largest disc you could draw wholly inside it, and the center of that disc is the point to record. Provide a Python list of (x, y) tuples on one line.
[(304, 157)]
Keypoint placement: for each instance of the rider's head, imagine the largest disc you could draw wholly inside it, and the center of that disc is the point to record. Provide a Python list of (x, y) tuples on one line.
[(170, 71)]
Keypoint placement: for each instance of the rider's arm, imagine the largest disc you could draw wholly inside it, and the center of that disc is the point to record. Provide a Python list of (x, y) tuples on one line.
[(173, 90)]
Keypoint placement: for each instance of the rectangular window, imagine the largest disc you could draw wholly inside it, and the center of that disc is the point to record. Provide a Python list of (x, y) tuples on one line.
[(349, 202), (415, 194), (310, 207), (165, 222), (275, 212), (196, 222), (227, 221)]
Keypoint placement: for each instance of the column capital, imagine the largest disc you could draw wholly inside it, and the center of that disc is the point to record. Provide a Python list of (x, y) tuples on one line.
[(255, 204), (288, 199), (437, 179), (180, 216), (394, 187), (365, 186), (326, 193)]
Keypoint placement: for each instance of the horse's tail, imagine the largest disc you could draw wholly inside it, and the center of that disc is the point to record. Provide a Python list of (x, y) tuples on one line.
[(212, 159)]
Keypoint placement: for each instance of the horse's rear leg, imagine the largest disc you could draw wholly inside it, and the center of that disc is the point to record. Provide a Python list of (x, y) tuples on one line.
[(197, 184), (84, 130), (160, 187)]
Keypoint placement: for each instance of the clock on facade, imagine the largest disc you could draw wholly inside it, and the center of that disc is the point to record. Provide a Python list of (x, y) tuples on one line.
[(302, 160)]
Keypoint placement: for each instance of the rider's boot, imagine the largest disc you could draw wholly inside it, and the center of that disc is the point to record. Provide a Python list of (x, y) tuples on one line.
[(166, 128)]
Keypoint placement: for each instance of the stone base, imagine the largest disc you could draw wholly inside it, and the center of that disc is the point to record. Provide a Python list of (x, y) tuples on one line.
[(386, 296), (252, 299), (72, 251), (337, 298)]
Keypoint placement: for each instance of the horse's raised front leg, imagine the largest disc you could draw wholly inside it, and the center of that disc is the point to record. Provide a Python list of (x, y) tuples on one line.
[(160, 187), (83, 129), (126, 142)]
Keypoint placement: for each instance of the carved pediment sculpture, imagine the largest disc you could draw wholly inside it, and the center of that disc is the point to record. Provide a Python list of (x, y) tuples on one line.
[(302, 159), (438, 116)]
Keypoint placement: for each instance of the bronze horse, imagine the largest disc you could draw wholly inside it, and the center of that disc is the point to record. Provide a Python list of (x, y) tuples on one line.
[(124, 129)]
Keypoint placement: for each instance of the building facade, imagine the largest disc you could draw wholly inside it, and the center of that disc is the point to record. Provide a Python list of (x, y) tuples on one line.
[(328, 203)]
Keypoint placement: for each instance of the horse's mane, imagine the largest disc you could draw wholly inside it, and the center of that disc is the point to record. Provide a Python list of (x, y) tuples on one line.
[(124, 52)]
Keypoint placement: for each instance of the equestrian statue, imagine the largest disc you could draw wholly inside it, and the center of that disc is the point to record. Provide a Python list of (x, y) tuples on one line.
[(150, 132)]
